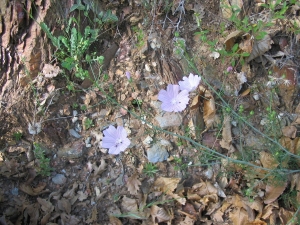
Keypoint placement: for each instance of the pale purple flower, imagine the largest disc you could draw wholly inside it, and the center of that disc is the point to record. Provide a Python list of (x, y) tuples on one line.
[(172, 99), (229, 69), (190, 83), (115, 140), (128, 75)]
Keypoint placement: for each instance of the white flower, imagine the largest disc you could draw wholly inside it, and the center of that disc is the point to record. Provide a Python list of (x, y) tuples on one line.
[(190, 83), (286, 82)]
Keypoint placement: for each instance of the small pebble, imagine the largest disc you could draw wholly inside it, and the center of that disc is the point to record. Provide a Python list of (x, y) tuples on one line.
[(73, 133), (59, 179)]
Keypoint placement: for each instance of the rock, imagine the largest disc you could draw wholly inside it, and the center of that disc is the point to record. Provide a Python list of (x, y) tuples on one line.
[(147, 141), (73, 133), (169, 120), (59, 179), (72, 151), (158, 152)]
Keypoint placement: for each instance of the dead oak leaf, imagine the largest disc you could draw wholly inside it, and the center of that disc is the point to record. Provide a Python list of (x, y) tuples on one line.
[(34, 191), (273, 192), (133, 184), (82, 195), (93, 216), (46, 206), (166, 185)]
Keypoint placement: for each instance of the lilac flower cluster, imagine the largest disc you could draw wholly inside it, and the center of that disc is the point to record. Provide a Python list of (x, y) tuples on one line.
[(174, 100)]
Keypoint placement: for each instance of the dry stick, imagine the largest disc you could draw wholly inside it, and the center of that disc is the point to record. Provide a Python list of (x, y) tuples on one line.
[(235, 114)]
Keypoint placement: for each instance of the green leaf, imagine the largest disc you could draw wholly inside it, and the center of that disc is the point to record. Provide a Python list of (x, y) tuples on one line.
[(73, 41), (68, 63), (46, 29), (245, 54), (235, 47)]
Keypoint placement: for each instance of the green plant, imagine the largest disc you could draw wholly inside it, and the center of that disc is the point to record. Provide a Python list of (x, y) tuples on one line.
[(150, 169), (137, 102), (43, 162), (88, 123), (83, 107), (17, 135), (75, 105), (140, 36)]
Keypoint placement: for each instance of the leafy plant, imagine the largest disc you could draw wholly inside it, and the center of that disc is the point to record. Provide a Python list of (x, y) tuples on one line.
[(43, 161), (140, 36), (17, 135), (88, 123), (150, 169)]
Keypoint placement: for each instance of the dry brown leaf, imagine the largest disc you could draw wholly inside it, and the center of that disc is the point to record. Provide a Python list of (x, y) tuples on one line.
[(160, 214), (268, 160), (209, 108), (210, 140), (246, 92), (268, 210), (231, 39), (192, 196), (166, 185), (196, 122), (46, 206), (208, 199), (295, 184), (189, 209), (218, 214), (129, 204), (45, 219), (204, 188), (285, 216), (179, 199), (273, 192), (69, 219), (247, 44), (99, 169), (50, 71), (239, 216), (133, 184), (257, 222), (34, 191), (71, 193), (114, 221), (260, 47), (32, 212), (187, 221), (81, 195), (293, 145), (226, 141), (257, 205), (93, 216), (64, 205), (289, 131)]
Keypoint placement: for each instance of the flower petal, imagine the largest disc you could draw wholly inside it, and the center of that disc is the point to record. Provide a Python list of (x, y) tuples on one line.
[(163, 96), (110, 131), (108, 142)]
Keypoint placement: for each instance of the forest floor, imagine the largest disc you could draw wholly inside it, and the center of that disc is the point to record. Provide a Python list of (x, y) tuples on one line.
[(71, 70)]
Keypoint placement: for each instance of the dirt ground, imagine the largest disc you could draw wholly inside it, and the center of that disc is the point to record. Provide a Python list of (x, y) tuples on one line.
[(86, 185)]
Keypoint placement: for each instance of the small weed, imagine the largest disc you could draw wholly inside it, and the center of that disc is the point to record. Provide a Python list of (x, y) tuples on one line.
[(70, 86), (43, 161), (150, 169), (75, 105), (137, 102), (140, 36), (17, 136), (88, 123), (83, 107)]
